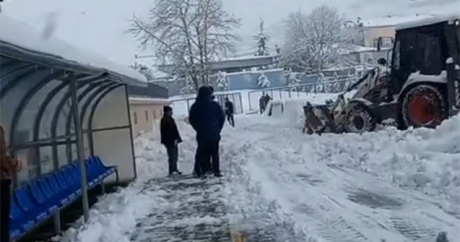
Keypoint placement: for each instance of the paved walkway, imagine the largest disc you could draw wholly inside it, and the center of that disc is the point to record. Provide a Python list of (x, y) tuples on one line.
[(198, 213)]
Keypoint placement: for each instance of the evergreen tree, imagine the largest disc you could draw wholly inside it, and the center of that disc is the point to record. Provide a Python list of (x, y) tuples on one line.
[(222, 81), (263, 81), (262, 40)]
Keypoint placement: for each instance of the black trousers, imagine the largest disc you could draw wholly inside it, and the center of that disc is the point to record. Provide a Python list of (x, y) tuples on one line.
[(5, 207), (231, 119), (173, 156), (206, 152)]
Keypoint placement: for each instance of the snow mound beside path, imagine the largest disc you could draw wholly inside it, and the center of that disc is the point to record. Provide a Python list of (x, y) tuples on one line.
[(421, 159)]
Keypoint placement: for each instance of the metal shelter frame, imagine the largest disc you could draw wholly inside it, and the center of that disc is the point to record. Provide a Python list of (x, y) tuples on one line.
[(79, 84)]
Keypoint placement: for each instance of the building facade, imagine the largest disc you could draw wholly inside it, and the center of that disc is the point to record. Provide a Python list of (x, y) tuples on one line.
[(144, 113), (146, 106), (367, 32)]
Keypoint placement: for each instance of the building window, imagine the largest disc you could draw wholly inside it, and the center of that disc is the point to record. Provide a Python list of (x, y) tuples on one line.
[(135, 117), (375, 42), (146, 115), (387, 42), (154, 114)]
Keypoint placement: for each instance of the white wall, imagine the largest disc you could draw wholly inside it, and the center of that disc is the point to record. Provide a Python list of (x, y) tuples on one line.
[(114, 146)]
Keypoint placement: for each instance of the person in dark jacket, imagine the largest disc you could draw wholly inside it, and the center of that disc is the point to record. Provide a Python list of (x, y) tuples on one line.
[(229, 112), (170, 138), (207, 119), (262, 104)]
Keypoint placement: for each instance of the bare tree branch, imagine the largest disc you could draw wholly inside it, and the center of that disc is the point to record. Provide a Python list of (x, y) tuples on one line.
[(315, 41), (189, 34)]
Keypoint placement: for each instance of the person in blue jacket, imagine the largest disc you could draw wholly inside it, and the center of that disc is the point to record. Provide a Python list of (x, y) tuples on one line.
[(207, 119)]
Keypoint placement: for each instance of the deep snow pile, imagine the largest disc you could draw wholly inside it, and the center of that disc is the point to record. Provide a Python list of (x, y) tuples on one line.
[(422, 159), (393, 185)]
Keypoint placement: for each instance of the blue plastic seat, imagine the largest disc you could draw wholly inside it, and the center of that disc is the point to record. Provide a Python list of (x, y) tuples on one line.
[(95, 174), (68, 177), (15, 233), (24, 202), (60, 194), (74, 178), (19, 221), (95, 164), (68, 189), (109, 169), (40, 196)]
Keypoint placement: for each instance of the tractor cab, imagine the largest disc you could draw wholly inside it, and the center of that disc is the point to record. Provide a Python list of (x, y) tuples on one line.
[(424, 71)]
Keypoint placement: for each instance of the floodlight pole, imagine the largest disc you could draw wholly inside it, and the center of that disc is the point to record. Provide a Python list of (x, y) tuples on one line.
[(80, 147)]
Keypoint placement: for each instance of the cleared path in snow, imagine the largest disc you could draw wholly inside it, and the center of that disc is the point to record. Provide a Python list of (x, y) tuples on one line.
[(274, 183)]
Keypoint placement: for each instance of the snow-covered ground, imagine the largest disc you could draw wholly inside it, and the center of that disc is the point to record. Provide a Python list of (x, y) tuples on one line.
[(393, 185)]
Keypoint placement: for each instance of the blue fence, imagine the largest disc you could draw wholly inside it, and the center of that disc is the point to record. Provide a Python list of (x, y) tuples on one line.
[(277, 78), (44, 197)]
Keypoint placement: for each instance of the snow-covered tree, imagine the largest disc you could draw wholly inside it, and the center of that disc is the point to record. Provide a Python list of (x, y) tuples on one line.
[(187, 35), (222, 81), (143, 69), (262, 40), (292, 78), (263, 81), (188, 87), (315, 41)]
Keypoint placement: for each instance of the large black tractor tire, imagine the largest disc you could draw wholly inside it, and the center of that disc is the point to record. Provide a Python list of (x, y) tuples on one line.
[(423, 105), (360, 119)]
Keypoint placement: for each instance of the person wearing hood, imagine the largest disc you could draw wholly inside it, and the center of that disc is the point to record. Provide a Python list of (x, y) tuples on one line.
[(170, 138), (207, 119)]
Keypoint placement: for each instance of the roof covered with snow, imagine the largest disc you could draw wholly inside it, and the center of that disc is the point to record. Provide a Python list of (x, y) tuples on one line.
[(392, 20), (19, 40), (428, 21)]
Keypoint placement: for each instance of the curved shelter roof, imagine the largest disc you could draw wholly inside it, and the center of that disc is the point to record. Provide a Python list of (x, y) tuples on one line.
[(21, 41)]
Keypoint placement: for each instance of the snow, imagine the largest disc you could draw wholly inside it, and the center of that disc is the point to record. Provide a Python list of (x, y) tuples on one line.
[(428, 21), (148, 100), (263, 81), (417, 77), (395, 185), (116, 215), (247, 57), (19, 34), (393, 20)]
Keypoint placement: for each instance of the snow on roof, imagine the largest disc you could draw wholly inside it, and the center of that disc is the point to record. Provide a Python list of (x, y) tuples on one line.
[(22, 35), (393, 20), (143, 100), (157, 74), (247, 57), (428, 21)]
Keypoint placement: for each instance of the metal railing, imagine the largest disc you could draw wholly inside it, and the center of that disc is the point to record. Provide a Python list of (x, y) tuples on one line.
[(220, 98), (301, 90)]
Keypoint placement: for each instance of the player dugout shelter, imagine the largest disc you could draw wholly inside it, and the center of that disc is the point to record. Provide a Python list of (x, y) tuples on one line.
[(44, 84)]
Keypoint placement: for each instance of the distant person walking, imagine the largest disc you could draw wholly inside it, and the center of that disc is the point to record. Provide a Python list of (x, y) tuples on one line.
[(229, 112), (207, 119), (262, 104), (267, 100), (170, 138), (8, 168)]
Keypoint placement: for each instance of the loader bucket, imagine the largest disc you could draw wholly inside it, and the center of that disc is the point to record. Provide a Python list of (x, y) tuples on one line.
[(318, 119)]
